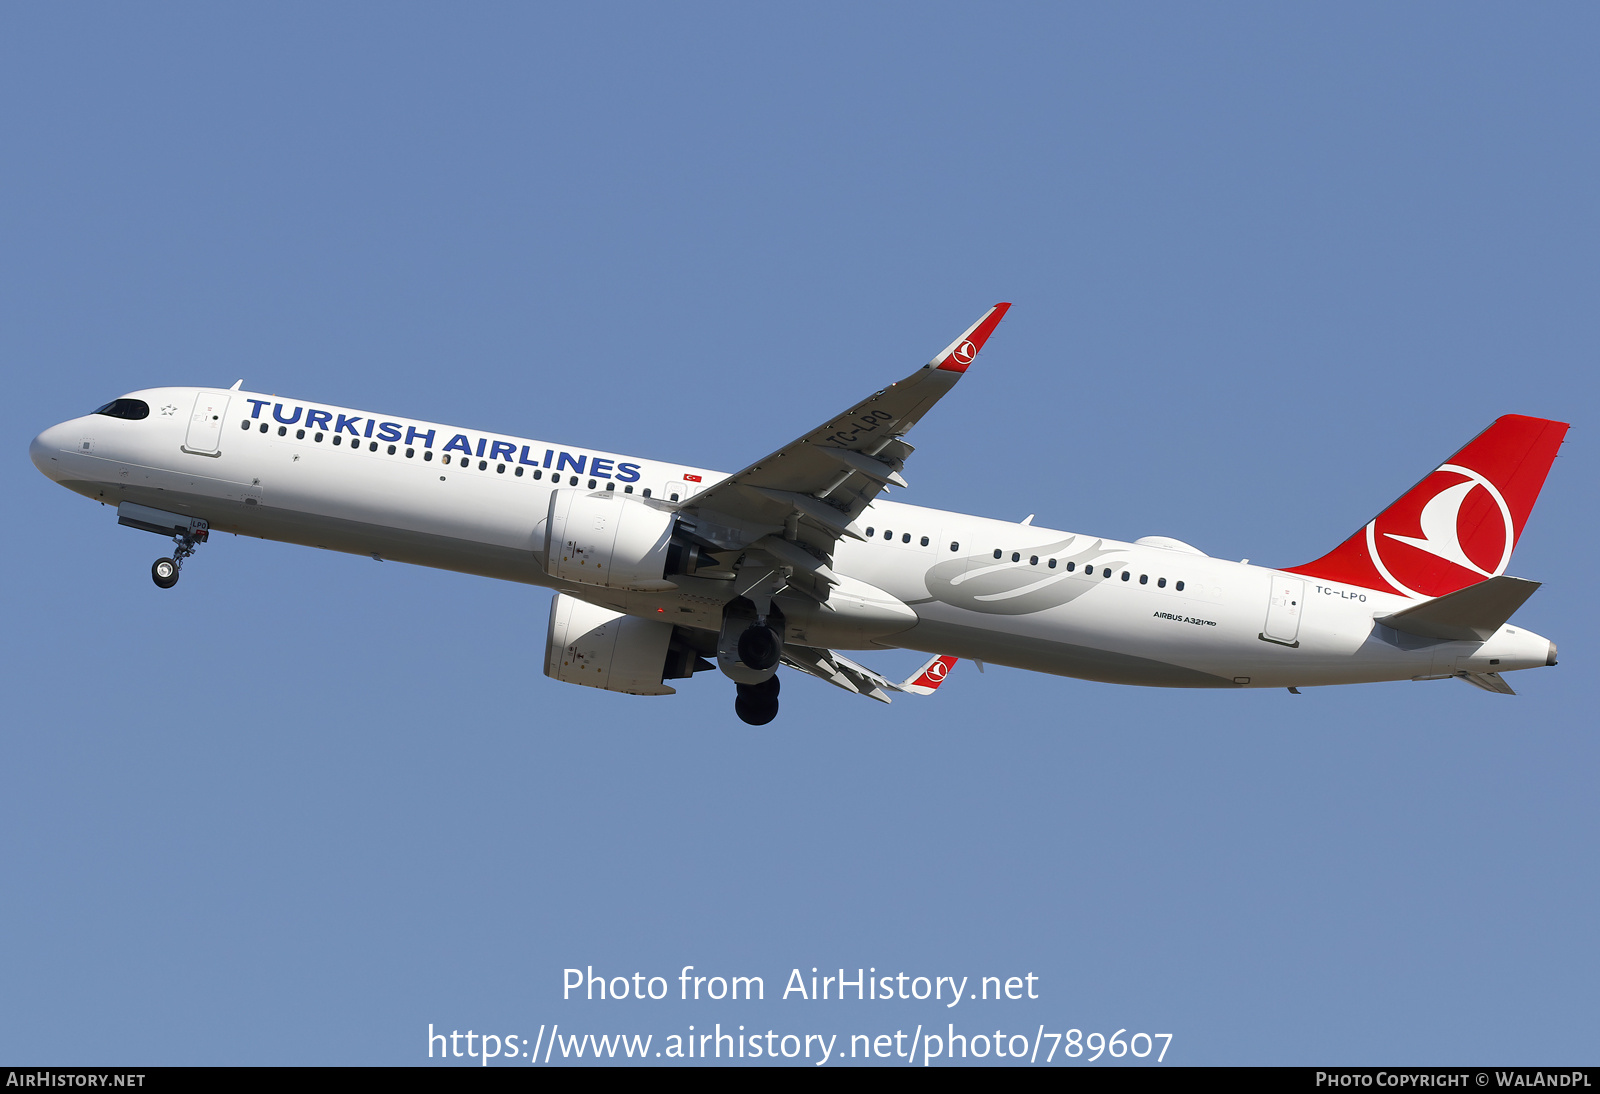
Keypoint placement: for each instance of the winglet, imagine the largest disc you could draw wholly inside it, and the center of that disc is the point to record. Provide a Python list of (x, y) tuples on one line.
[(926, 679), (959, 354)]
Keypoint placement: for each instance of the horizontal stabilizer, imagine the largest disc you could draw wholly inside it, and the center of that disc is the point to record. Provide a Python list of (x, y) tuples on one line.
[(1488, 681), (1466, 615)]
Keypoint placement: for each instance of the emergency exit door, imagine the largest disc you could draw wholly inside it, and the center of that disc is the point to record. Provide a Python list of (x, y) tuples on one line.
[(1284, 608)]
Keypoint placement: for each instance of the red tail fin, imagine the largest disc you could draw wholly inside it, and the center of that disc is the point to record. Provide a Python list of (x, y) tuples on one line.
[(1459, 525)]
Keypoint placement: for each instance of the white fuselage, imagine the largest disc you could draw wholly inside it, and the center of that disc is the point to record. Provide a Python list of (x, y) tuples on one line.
[(924, 579)]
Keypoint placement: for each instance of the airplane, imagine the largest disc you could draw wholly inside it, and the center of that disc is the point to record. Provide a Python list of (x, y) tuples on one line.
[(663, 570)]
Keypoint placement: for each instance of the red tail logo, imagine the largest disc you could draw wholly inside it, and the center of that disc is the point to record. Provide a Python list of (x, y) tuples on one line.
[(1457, 526)]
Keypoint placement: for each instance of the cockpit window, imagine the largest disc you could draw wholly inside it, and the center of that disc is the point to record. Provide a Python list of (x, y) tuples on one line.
[(132, 409)]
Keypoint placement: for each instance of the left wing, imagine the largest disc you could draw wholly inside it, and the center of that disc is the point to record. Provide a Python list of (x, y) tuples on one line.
[(800, 500)]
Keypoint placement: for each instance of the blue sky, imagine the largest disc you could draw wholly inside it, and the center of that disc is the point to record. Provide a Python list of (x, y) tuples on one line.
[(1270, 265)]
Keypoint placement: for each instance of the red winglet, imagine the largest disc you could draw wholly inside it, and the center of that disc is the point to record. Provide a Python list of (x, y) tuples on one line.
[(959, 354), (928, 678), (1459, 525)]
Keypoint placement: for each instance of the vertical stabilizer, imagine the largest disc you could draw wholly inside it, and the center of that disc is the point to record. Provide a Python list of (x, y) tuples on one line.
[(1459, 525)]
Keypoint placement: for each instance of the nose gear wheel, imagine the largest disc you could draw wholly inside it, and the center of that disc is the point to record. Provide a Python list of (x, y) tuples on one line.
[(164, 571)]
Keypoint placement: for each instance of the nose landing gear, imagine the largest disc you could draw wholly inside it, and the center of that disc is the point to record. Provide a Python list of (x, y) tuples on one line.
[(164, 571)]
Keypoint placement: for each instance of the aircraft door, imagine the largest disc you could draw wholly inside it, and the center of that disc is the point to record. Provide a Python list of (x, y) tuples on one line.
[(1285, 605), (205, 424)]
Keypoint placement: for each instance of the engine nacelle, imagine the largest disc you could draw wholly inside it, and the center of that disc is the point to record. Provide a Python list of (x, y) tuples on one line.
[(607, 539), (599, 648)]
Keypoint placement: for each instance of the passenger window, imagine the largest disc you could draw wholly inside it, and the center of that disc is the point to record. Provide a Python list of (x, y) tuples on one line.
[(647, 491), (499, 469), (954, 546), (483, 465), (888, 534), (317, 438), (1071, 566), (338, 439), (625, 489), (1108, 571), (445, 459), (1126, 574), (245, 424), (1016, 556), (591, 484), (1052, 564), (997, 552), (538, 474), (575, 483), (871, 531), (906, 538), (1034, 561), (1179, 586), (674, 496), (924, 541), (1144, 579), (1161, 583), (263, 427), (611, 486), (426, 456), (391, 448), (283, 430)]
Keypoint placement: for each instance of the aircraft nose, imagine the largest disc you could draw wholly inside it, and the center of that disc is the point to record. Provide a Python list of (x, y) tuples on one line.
[(45, 448)]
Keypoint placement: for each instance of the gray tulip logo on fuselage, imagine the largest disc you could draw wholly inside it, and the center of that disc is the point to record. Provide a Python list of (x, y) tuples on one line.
[(982, 583)]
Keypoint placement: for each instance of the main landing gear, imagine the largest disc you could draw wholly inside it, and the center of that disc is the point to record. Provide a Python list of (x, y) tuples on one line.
[(749, 649), (164, 571), (759, 647), (757, 704)]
